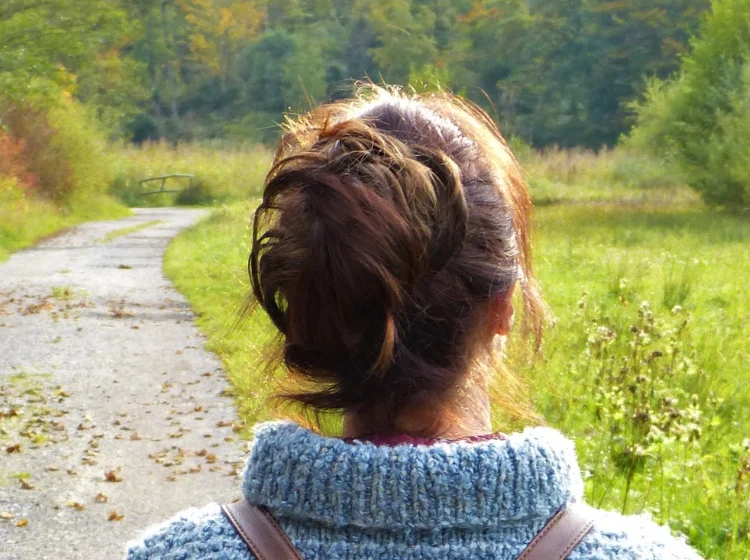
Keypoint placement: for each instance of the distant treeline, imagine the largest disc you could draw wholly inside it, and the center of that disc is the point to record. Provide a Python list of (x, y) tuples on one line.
[(552, 72)]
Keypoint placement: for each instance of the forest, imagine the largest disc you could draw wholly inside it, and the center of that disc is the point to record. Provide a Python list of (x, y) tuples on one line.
[(562, 73)]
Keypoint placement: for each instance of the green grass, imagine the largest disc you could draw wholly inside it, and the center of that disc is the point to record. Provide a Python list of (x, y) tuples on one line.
[(219, 175), (659, 426), (24, 221), (208, 264), (689, 264), (112, 235)]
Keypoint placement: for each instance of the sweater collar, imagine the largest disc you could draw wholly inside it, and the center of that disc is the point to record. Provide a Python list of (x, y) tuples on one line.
[(297, 473)]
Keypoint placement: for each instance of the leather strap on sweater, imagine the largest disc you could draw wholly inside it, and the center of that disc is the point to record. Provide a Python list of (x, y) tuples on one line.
[(260, 532), (267, 541), (560, 535)]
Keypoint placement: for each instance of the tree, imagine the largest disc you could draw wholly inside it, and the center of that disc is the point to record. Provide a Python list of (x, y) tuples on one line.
[(38, 39), (701, 118)]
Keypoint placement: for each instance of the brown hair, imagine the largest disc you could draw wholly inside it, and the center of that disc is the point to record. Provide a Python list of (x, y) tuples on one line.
[(388, 225)]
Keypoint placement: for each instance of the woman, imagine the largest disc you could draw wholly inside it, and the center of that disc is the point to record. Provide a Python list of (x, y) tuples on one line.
[(391, 237)]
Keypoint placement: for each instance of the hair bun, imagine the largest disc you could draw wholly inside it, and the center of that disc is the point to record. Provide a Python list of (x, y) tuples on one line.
[(382, 236)]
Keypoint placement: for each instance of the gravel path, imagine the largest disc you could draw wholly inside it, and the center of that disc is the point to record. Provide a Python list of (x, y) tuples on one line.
[(112, 415)]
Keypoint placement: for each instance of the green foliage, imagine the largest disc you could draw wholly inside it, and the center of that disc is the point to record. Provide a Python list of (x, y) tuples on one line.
[(560, 72), (44, 45), (701, 119), (183, 70)]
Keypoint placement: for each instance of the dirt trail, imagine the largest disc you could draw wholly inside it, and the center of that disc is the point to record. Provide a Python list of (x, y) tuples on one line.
[(105, 386)]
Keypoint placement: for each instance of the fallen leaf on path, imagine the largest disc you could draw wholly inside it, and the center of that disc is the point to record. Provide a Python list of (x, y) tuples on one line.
[(135, 436), (124, 267), (114, 516), (210, 458), (101, 498), (112, 476), (78, 506), (26, 485), (6, 515), (15, 448), (72, 472), (22, 523), (53, 468), (195, 469)]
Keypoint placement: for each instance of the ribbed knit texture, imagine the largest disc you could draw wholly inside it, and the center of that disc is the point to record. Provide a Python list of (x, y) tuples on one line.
[(355, 500)]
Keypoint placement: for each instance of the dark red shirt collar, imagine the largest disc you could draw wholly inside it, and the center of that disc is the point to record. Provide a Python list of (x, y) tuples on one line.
[(392, 440)]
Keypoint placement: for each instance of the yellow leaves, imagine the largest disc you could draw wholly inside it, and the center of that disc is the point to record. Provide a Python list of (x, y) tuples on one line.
[(22, 523), (101, 498), (115, 516), (113, 476), (78, 506), (26, 485), (219, 32)]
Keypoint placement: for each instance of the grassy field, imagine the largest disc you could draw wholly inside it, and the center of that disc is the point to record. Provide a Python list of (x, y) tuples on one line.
[(23, 221), (643, 362), (220, 174)]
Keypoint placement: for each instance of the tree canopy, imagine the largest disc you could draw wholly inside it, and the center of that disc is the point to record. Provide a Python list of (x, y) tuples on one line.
[(560, 72)]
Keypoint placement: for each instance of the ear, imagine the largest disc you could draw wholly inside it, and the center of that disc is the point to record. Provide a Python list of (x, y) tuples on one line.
[(502, 313)]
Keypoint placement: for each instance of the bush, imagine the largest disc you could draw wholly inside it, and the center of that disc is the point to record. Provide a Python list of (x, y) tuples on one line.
[(55, 169), (56, 151), (701, 119)]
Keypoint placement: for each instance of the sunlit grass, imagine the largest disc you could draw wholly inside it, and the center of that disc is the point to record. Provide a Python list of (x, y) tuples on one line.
[(619, 257), (583, 176), (112, 235), (25, 219), (219, 174)]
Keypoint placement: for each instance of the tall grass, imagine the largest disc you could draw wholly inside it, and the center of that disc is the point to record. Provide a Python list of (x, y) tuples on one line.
[(646, 360), (219, 175), (583, 176)]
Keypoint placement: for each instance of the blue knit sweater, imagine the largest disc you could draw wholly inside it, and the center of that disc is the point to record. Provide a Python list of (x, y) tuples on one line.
[(338, 500)]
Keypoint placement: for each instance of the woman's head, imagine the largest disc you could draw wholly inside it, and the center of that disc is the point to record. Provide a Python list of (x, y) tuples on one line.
[(391, 234)]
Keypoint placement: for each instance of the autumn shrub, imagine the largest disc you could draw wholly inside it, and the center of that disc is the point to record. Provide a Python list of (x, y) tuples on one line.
[(60, 152), (55, 170)]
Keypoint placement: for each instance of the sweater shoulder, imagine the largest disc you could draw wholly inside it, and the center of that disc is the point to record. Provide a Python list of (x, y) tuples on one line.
[(194, 533), (632, 537)]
